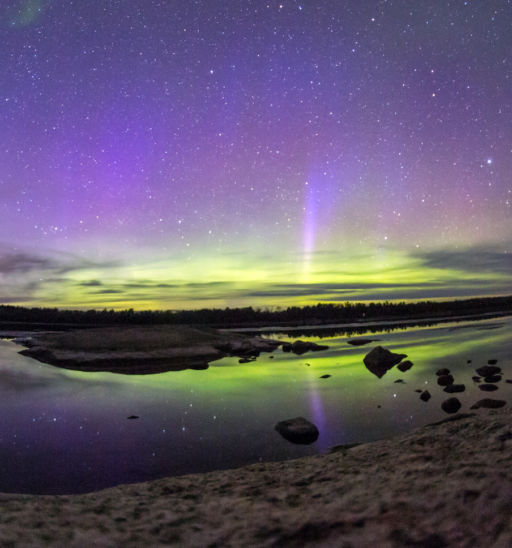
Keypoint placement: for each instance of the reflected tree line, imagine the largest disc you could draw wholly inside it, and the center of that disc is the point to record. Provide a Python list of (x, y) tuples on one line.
[(306, 315)]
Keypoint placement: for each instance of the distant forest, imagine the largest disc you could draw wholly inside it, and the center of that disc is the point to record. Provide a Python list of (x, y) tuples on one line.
[(252, 317)]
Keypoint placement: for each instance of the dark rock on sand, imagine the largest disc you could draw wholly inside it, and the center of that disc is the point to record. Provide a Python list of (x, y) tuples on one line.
[(425, 396), (488, 370), (405, 366), (445, 380), (132, 417), (286, 347), (298, 430), (488, 387), (493, 378), (419, 390), (246, 360), (488, 403), (452, 388), (476, 379), (324, 377), (380, 360), (442, 372), (399, 381), (361, 342), (492, 362), (509, 381), (451, 405)]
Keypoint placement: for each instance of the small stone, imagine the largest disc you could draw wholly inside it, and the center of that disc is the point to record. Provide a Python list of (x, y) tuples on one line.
[(492, 362), (488, 387), (405, 366), (443, 371), (298, 430), (476, 379), (286, 347), (399, 381), (509, 381), (493, 378), (469, 361), (132, 417), (451, 405), (419, 390), (324, 376), (488, 370), (488, 403), (450, 389), (444, 380), (425, 396)]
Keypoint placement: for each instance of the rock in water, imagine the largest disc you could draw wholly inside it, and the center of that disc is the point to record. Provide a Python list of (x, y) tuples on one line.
[(488, 370), (488, 387), (405, 366), (324, 376), (132, 417), (492, 362), (361, 342), (301, 347), (298, 430), (451, 405), (493, 378), (443, 371), (488, 403), (451, 388), (379, 360), (425, 396), (444, 380)]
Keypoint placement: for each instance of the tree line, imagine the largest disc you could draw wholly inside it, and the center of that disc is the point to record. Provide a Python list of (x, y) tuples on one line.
[(321, 313)]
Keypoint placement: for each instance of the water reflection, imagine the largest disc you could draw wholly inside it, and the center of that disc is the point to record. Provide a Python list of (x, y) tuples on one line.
[(67, 431)]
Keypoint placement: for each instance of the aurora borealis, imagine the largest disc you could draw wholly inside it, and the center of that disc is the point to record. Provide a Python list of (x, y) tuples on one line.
[(181, 154)]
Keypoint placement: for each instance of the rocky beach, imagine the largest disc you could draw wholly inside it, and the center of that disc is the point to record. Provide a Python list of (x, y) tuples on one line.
[(446, 484)]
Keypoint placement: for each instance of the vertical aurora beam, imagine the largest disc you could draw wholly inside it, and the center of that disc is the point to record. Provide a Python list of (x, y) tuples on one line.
[(310, 210)]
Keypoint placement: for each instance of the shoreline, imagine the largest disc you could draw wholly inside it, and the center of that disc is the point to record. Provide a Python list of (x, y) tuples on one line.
[(444, 484)]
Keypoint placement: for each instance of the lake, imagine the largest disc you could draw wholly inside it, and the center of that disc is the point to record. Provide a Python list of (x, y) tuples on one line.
[(63, 431)]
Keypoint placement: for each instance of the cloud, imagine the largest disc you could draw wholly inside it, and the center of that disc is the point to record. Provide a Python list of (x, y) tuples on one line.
[(91, 283), (13, 263), (108, 291), (473, 259)]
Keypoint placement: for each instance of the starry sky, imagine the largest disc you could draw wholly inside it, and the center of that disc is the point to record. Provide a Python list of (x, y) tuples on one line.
[(201, 153)]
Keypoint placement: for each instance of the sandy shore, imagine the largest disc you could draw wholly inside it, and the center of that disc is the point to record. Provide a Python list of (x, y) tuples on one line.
[(448, 484)]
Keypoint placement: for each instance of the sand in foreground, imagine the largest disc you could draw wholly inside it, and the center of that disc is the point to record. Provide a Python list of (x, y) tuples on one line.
[(448, 484)]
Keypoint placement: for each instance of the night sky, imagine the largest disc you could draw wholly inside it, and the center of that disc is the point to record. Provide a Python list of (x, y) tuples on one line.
[(181, 154)]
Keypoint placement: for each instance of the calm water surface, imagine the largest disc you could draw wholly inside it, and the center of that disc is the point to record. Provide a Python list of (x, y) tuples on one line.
[(67, 432)]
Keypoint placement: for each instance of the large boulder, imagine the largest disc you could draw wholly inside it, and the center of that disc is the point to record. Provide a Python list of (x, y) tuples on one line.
[(380, 360), (298, 430)]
